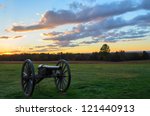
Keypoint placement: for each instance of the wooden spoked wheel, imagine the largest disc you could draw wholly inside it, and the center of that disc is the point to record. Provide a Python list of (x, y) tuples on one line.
[(63, 76), (28, 78)]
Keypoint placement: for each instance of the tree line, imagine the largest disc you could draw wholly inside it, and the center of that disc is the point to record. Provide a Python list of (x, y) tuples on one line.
[(103, 55)]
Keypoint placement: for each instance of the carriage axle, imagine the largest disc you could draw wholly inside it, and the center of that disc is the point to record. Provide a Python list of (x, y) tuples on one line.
[(61, 74)]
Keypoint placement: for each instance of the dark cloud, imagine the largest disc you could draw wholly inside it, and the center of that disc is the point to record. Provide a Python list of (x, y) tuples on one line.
[(91, 42), (145, 4), (18, 28), (40, 46), (52, 19), (44, 48), (19, 36), (101, 30), (124, 36), (52, 34), (133, 34), (118, 36), (4, 37), (65, 43), (76, 6), (142, 19), (10, 37), (99, 22), (56, 45)]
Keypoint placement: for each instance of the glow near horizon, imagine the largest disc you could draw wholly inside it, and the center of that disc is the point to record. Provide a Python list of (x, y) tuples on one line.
[(23, 12)]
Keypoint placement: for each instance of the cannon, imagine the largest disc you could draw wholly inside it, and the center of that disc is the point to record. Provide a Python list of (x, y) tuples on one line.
[(61, 74)]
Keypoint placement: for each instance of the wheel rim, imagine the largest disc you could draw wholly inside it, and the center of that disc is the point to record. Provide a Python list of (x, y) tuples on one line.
[(27, 78), (63, 77)]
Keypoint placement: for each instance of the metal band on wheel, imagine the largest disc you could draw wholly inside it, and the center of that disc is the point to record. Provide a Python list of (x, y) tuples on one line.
[(28, 78), (63, 78)]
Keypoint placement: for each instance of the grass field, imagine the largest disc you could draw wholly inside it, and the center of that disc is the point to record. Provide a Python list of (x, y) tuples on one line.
[(98, 81)]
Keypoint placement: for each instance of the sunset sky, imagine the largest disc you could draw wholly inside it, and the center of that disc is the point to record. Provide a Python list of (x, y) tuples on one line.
[(78, 26)]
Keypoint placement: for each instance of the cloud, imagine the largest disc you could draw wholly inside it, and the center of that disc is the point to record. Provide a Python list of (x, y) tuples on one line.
[(19, 36), (52, 34), (10, 37), (76, 6), (44, 48), (99, 22), (56, 45), (101, 31), (1, 6), (52, 19), (65, 43), (130, 35), (145, 4), (91, 1), (18, 28), (142, 19), (91, 42)]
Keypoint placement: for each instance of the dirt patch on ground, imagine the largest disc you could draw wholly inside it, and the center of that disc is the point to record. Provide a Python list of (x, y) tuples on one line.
[(79, 62)]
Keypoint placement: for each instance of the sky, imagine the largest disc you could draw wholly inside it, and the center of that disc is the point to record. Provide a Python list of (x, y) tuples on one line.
[(74, 26)]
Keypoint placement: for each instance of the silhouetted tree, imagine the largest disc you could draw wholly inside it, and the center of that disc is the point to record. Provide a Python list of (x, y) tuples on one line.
[(105, 49), (104, 52), (134, 56), (115, 57), (122, 55), (145, 55), (95, 56)]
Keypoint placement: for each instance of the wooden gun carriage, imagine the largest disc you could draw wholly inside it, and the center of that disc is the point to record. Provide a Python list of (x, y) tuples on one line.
[(61, 74)]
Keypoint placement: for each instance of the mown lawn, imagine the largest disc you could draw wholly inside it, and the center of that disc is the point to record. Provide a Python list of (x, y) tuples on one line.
[(89, 81)]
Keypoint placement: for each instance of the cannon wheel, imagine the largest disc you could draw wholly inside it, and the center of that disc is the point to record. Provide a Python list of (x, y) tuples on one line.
[(28, 78), (63, 78)]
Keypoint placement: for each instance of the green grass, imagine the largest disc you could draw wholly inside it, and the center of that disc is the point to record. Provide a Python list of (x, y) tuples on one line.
[(89, 81)]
